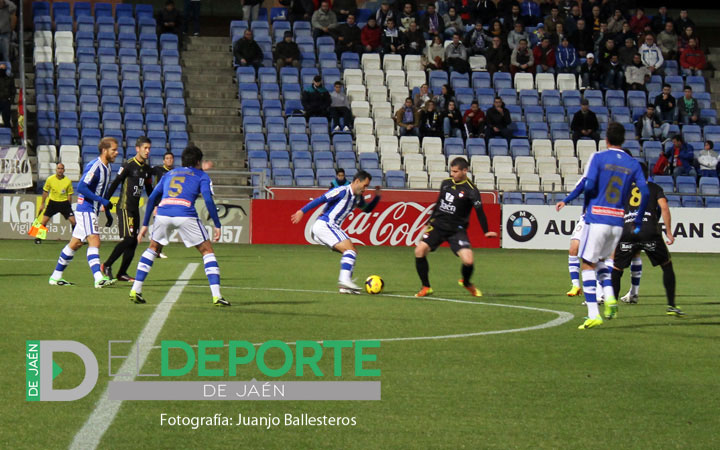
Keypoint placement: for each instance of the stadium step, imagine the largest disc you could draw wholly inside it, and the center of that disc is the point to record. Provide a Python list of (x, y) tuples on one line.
[(224, 120), (207, 40), (214, 112), (225, 103), (215, 137), (219, 48), (207, 63), (216, 93), (193, 128), (224, 150)]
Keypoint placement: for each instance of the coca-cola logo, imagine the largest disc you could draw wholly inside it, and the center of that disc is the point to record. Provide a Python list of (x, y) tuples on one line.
[(400, 223)]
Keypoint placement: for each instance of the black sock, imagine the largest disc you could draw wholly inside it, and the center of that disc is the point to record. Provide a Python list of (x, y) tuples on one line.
[(616, 279), (128, 254), (116, 253), (423, 268), (467, 273), (669, 283)]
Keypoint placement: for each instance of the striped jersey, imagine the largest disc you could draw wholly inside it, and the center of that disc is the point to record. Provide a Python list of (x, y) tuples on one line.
[(97, 178), (340, 203)]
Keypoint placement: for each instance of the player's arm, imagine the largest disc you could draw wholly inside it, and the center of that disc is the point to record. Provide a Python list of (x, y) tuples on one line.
[(579, 188), (206, 191), (152, 202), (122, 174), (482, 218), (148, 183), (667, 220), (298, 215), (84, 189), (368, 207), (639, 179)]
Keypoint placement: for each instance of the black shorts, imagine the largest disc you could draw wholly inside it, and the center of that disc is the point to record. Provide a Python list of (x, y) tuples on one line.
[(64, 208), (434, 237), (654, 248), (129, 221)]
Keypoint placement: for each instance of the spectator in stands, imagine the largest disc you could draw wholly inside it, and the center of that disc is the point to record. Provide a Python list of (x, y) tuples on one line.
[(611, 68), (666, 106), (530, 10), (414, 40), (474, 120), (340, 179), (685, 36), (689, 108), (537, 36), (566, 58), (484, 11), (192, 15), (498, 121), (476, 41), (316, 99), (247, 52), (585, 123), (637, 74), (407, 119), (407, 16), (516, 35), (452, 121), (169, 19), (557, 37), (7, 22), (553, 19), (498, 58), (347, 36), (434, 57), (422, 97), (431, 121), (384, 13), (393, 41), (639, 23), (680, 156), (287, 52), (616, 22), (370, 36), (323, 20), (453, 23), (7, 95), (344, 8), (627, 34), (582, 39), (445, 96), (682, 22), (591, 73), (692, 60), (432, 23), (251, 9), (648, 127), (627, 53), (512, 18), (496, 29), (299, 9), (544, 55), (521, 59), (594, 22), (340, 115), (456, 56), (572, 19), (668, 41), (600, 38), (651, 55), (660, 20), (708, 161)]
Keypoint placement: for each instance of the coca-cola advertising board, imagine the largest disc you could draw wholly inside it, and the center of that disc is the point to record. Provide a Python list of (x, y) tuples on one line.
[(396, 223)]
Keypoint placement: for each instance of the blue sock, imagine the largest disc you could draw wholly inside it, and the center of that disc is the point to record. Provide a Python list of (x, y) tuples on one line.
[(589, 281), (347, 264), (603, 274), (212, 271), (93, 259), (635, 275), (66, 255), (144, 266), (574, 269)]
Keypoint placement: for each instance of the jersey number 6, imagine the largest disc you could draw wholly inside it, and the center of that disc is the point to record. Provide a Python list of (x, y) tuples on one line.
[(613, 193)]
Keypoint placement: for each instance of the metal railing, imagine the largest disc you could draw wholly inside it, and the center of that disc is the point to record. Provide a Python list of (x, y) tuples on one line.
[(261, 187)]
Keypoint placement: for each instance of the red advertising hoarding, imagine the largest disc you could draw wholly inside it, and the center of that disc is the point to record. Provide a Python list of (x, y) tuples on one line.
[(395, 223)]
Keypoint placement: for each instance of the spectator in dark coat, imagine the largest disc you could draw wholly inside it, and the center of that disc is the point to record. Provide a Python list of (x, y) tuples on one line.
[(370, 36), (431, 121), (476, 41), (247, 52), (299, 9), (660, 19), (498, 121), (582, 39), (316, 99), (287, 52), (591, 72), (7, 95), (584, 123), (432, 23), (498, 58), (343, 8), (169, 19), (393, 41), (452, 121), (639, 23), (682, 22), (414, 40), (348, 37), (666, 105)]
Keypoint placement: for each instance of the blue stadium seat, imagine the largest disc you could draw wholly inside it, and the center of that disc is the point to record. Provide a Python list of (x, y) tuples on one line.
[(68, 136), (686, 184), (369, 161), (453, 146), (551, 97), (395, 179), (299, 142), (476, 146), (692, 201), (665, 182), (89, 120), (304, 177), (324, 160), (110, 103), (502, 80), (512, 198), (692, 133), (709, 186), (712, 202), (534, 198), (252, 124), (349, 60), (325, 176), (66, 86), (342, 142), (275, 125), (320, 142)]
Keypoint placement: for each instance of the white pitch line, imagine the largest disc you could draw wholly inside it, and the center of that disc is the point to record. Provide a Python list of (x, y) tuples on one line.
[(24, 259), (562, 316), (105, 410)]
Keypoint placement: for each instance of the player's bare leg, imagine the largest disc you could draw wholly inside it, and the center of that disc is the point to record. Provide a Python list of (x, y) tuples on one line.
[(466, 256), (423, 268), (347, 265)]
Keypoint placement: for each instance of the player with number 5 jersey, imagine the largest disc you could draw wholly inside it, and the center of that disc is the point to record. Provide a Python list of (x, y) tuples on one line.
[(176, 194)]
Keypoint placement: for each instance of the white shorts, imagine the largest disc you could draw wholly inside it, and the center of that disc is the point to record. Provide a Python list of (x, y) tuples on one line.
[(192, 232), (598, 241), (87, 224), (327, 233), (577, 232)]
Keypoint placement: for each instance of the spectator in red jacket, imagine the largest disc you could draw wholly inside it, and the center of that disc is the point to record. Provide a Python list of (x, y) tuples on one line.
[(692, 59), (544, 55), (474, 120), (370, 36), (639, 22)]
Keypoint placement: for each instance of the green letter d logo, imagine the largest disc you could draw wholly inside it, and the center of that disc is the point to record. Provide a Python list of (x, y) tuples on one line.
[(47, 370)]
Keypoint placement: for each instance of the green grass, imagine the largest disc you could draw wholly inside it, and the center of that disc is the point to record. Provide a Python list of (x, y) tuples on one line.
[(642, 381)]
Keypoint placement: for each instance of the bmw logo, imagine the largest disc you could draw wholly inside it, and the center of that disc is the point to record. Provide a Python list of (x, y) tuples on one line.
[(521, 226)]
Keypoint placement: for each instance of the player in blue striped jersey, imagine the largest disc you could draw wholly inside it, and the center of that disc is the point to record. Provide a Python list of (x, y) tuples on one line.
[(176, 194), (91, 190), (608, 181), (339, 203)]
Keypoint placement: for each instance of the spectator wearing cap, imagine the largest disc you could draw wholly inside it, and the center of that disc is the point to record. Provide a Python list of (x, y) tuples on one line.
[(585, 123), (651, 55), (591, 73), (316, 99), (537, 36), (522, 59), (708, 161), (692, 59), (287, 52), (566, 58), (348, 37), (544, 55), (323, 20), (247, 52)]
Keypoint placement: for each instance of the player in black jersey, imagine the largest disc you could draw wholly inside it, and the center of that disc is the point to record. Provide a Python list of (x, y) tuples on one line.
[(135, 175), (449, 222), (167, 166), (649, 239)]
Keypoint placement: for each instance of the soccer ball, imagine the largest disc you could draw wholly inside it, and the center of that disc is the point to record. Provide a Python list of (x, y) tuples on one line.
[(374, 284)]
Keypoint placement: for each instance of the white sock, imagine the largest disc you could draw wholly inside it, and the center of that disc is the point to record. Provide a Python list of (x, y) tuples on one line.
[(347, 264)]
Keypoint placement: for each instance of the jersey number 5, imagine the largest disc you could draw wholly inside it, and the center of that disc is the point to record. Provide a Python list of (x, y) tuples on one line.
[(176, 186), (613, 191)]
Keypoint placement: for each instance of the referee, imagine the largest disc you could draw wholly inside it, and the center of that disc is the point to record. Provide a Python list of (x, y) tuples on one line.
[(59, 189), (649, 239), (449, 222), (135, 175)]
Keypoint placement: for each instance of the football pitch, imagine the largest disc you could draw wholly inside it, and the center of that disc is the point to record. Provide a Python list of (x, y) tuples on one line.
[(508, 370)]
